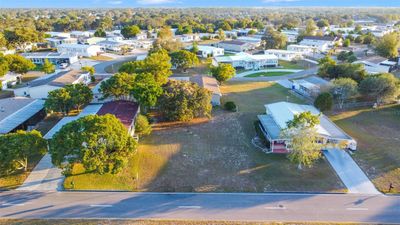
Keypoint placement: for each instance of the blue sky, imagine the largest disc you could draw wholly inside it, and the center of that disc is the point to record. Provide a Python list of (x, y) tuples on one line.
[(189, 3)]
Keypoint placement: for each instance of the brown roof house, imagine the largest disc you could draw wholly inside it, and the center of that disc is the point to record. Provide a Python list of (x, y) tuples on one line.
[(39, 88), (206, 82)]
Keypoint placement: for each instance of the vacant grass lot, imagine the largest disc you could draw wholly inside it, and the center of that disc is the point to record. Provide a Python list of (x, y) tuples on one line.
[(290, 65), (378, 134), (268, 74), (215, 155)]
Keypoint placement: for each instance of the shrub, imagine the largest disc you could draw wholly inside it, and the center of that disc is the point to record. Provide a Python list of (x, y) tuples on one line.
[(231, 106), (142, 126), (324, 101)]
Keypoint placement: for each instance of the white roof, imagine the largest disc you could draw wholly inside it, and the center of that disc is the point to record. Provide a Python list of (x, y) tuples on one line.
[(306, 84), (282, 112), (242, 56), (21, 114), (280, 51), (77, 46), (88, 110)]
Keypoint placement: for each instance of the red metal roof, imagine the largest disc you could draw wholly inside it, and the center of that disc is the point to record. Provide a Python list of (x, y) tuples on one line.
[(125, 111)]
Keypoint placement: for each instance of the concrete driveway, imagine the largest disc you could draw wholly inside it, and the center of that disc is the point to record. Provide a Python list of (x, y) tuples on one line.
[(349, 172), (44, 177)]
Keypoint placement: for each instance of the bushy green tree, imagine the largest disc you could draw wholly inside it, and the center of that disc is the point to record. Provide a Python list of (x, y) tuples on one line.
[(72, 96), (48, 67), (3, 66), (223, 72), (100, 143), (142, 126), (383, 87), (273, 39), (117, 86), (324, 101), (130, 31), (17, 149), (343, 89), (146, 90), (345, 70), (183, 59), (388, 45), (100, 33), (183, 101), (157, 63), (302, 139), (18, 64)]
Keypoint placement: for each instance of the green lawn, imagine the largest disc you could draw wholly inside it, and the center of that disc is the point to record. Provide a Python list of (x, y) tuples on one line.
[(378, 135), (214, 156), (268, 74), (290, 65)]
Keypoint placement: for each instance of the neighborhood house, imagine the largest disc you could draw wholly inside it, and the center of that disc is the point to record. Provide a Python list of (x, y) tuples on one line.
[(40, 88), (125, 111), (79, 50), (247, 61), (278, 114), (20, 113), (56, 58), (236, 46)]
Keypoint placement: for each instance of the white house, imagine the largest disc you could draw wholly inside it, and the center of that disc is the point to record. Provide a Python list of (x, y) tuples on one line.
[(91, 40), (208, 51), (285, 55), (56, 41), (278, 114), (58, 34), (310, 86), (82, 34), (322, 43), (185, 38), (291, 35), (247, 61), (9, 79), (80, 50), (377, 64), (39, 88), (112, 45), (303, 49), (54, 57), (254, 40), (236, 46)]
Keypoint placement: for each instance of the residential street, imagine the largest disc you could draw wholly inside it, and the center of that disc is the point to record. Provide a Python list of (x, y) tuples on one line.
[(212, 206)]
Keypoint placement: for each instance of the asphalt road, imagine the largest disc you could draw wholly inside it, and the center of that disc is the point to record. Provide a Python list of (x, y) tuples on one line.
[(100, 67), (195, 206)]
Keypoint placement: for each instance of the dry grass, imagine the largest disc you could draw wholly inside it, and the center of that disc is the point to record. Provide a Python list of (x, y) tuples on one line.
[(101, 58), (215, 155), (378, 135)]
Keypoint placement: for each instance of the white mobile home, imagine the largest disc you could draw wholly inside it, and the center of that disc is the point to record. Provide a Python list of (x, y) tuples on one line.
[(247, 61), (80, 50)]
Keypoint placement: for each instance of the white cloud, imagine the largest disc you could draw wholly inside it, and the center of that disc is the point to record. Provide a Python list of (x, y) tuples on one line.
[(115, 2), (154, 2)]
